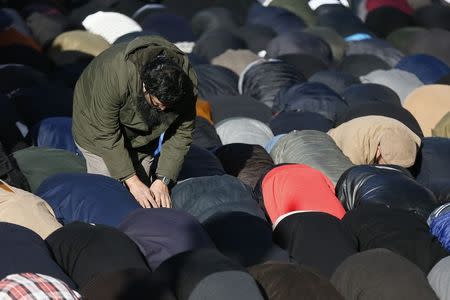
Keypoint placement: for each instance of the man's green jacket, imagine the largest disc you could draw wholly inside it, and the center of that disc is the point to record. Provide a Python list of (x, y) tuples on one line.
[(105, 117)]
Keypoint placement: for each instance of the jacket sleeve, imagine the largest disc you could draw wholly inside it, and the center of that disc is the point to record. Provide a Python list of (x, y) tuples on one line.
[(178, 139), (108, 138)]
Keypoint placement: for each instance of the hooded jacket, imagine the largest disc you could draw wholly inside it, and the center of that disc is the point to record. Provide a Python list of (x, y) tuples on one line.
[(359, 139), (105, 117)]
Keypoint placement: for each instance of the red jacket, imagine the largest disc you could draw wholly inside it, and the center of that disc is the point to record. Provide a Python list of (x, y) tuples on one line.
[(298, 187)]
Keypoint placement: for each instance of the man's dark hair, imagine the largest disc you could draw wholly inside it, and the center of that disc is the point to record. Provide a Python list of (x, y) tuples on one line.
[(167, 81)]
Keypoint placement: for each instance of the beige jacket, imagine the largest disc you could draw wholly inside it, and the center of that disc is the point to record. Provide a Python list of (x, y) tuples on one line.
[(359, 139), (429, 104), (25, 209)]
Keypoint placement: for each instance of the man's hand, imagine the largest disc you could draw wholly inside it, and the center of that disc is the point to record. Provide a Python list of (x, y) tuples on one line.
[(160, 193), (141, 192)]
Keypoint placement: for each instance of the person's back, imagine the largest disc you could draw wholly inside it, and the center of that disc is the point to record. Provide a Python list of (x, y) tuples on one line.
[(376, 140)]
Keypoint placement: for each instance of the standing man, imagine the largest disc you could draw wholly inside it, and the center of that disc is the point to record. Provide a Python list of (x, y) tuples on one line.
[(123, 101)]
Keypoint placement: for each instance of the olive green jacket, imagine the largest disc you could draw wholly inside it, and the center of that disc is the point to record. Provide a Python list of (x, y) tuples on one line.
[(105, 117)]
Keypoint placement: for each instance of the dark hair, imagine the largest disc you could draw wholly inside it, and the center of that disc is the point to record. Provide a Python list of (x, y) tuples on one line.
[(167, 81)]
